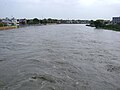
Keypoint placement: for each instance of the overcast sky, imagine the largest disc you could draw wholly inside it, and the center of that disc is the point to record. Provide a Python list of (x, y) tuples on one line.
[(61, 9)]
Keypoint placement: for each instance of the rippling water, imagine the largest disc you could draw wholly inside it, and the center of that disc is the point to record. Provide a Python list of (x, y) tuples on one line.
[(59, 57)]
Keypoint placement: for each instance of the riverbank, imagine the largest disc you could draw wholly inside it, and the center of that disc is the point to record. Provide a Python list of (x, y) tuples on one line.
[(13, 27), (102, 24), (107, 27), (8, 27), (112, 27)]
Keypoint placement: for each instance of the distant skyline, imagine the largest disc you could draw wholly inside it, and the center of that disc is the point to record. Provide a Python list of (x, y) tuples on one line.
[(60, 9)]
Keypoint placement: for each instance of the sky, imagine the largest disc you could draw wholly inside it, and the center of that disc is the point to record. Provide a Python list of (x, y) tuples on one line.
[(60, 9)]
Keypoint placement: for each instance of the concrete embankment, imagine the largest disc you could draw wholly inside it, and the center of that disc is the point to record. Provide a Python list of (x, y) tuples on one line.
[(7, 27)]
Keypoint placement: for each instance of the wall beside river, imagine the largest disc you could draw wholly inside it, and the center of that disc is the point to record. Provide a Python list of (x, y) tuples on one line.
[(7, 27)]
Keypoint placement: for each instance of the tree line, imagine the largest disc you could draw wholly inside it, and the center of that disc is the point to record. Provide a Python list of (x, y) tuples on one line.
[(41, 21)]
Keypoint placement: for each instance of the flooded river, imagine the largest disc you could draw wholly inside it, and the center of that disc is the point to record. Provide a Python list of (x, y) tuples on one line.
[(59, 57)]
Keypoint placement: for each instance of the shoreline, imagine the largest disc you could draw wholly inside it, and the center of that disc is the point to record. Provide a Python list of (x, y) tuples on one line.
[(8, 27), (108, 27), (14, 27)]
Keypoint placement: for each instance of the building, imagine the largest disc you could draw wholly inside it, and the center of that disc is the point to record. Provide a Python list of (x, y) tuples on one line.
[(116, 20), (14, 22), (7, 21), (22, 21), (10, 22)]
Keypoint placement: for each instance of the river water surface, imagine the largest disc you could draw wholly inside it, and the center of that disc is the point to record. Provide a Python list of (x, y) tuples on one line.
[(59, 57)]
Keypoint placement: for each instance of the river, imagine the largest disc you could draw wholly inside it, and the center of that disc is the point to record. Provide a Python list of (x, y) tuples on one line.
[(59, 57)]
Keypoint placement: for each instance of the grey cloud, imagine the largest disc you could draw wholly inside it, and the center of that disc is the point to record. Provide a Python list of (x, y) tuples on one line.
[(72, 9)]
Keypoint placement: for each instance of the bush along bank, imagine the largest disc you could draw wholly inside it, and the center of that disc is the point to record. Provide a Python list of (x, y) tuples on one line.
[(102, 24), (112, 27)]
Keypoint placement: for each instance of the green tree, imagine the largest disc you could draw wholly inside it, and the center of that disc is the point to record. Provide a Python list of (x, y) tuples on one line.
[(30, 21), (1, 24), (44, 21), (92, 23), (36, 21), (98, 23), (49, 20)]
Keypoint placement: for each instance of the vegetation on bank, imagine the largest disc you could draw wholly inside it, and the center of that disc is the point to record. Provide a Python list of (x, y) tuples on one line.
[(102, 24), (112, 27), (55, 21), (2, 25), (41, 21)]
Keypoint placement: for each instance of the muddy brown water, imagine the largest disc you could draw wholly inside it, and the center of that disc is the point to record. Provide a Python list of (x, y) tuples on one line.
[(59, 57)]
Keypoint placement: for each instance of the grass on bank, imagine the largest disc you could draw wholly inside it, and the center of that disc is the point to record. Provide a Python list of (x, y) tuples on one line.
[(112, 27), (102, 24), (7, 27)]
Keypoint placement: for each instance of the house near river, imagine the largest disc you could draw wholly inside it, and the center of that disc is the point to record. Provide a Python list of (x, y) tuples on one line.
[(10, 22)]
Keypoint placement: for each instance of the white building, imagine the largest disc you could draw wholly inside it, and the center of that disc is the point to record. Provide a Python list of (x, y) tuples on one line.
[(116, 20), (14, 21), (10, 22), (7, 21)]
